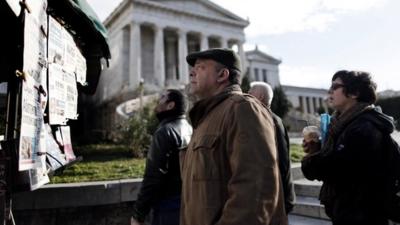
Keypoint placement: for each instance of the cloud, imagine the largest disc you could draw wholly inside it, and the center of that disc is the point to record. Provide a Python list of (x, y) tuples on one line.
[(305, 76), (103, 8), (276, 17), (353, 5), (283, 16)]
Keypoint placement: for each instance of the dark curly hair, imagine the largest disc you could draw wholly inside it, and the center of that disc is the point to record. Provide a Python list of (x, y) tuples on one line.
[(358, 83)]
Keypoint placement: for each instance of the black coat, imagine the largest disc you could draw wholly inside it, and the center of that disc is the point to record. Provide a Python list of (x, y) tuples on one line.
[(353, 174), (283, 147), (162, 178)]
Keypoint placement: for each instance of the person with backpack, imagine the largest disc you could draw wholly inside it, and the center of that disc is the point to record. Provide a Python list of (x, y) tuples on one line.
[(352, 161)]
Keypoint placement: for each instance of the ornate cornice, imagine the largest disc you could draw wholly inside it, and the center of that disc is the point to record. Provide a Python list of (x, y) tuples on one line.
[(159, 6)]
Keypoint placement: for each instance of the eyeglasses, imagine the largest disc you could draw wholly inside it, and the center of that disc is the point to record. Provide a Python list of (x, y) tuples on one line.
[(335, 86)]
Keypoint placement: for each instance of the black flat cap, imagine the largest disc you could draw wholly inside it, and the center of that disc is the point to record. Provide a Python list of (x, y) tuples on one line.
[(224, 56)]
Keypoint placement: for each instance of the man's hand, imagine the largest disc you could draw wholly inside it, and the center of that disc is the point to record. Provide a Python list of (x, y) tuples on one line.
[(135, 222)]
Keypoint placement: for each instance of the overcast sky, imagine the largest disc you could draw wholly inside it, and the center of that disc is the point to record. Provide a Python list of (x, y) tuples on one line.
[(315, 38)]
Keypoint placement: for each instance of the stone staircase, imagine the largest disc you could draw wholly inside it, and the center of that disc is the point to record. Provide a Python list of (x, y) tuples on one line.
[(308, 210)]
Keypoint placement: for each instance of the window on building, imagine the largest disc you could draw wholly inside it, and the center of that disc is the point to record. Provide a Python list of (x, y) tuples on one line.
[(256, 75), (264, 74), (308, 104)]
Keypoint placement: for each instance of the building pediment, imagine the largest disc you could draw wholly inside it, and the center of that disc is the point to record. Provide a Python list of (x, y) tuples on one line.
[(204, 8), (259, 56)]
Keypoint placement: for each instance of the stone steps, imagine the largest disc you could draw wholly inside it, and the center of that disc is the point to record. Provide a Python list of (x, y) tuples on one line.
[(296, 171), (303, 220), (304, 187), (307, 209)]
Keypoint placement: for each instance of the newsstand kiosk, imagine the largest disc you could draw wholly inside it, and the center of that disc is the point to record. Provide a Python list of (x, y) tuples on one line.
[(51, 51)]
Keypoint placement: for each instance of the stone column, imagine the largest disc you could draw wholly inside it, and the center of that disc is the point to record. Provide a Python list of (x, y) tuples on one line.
[(203, 42), (183, 51), (135, 55), (159, 56), (242, 56), (224, 42)]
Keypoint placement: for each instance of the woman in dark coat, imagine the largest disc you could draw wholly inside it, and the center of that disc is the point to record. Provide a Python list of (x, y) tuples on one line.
[(350, 162)]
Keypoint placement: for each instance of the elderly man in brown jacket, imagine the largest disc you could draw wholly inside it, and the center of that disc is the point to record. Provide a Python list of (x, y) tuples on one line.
[(230, 174)]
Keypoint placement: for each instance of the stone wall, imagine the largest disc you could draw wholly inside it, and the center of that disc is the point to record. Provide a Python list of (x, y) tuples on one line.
[(91, 203), (115, 214)]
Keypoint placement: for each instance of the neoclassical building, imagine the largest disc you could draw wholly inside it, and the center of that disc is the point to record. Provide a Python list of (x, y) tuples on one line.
[(149, 40), (263, 67), (306, 100)]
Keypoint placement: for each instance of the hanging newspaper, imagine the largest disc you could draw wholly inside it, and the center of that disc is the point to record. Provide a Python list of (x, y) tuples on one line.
[(57, 90), (66, 136), (71, 98), (63, 50), (33, 97), (31, 124), (81, 69), (35, 39), (38, 176), (70, 51), (65, 56), (54, 155), (56, 44), (63, 95), (74, 62)]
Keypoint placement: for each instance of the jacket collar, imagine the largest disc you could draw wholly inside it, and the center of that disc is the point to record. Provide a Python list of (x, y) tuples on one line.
[(171, 118), (201, 109)]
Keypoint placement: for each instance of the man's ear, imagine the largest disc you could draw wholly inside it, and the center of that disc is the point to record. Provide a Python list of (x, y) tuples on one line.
[(223, 76), (170, 105)]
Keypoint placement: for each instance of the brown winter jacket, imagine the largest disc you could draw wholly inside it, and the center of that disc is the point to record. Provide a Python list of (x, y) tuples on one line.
[(230, 174)]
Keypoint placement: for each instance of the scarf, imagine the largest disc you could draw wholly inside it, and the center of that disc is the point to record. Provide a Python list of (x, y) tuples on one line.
[(340, 121)]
